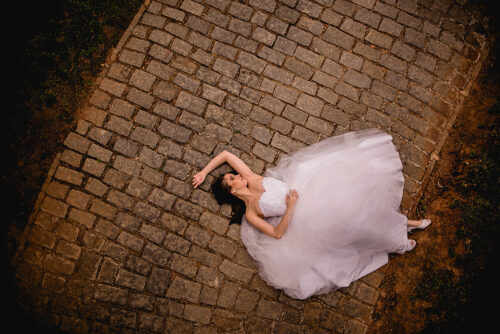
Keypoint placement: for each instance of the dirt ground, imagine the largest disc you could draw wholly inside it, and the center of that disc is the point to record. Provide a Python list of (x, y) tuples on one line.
[(396, 311)]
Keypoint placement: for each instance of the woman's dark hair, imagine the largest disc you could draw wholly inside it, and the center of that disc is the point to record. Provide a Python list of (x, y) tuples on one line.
[(222, 195)]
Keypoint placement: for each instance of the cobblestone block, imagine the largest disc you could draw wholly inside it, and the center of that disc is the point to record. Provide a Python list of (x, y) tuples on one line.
[(100, 99), (184, 289), (379, 39), (251, 62), (155, 254), (42, 237), (132, 58), (140, 98), (146, 211), (177, 29), (336, 116), (409, 102), (173, 13), (337, 37), (72, 158), (377, 118), (276, 25), (228, 294), (415, 38), (99, 135), (259, 18), (386, 10), (347, 90), (393, 63), (269, 309), (300, 36), (371, 100), (192, 7), (324, 79), (177, 244), (150, 322), (352, 107), (421, 76), (331, 17), (142, 80), (396, 80), (224, 50), (186, 82), (160, 70), (208, 76), (173, 223), (130, 241), (160, 37), (153, 20), (184, 64), (319, 126), (230, 85), (271, 55), (223, 246), (191, 103), (285, 45), (368, 17), (240, 11), (119, 72), (208, 295), (310, 104), (366, 51), (77, 142), (289, 15), (264, 36), (78, 199), (152, 233), (374, 71), (127, 222), (391, 27), (58, 264), (439, 49), (57, 190), (69, 175), (304, 135), (354, 28), (110, 294), (310, 25), (183, 265), (403, 51), (213, 94), (199, 314)]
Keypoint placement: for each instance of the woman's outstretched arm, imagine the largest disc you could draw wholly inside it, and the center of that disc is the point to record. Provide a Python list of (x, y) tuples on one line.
[(218, 160)]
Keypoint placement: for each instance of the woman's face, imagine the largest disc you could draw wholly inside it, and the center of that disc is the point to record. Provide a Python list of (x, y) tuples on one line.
[(234, 182)]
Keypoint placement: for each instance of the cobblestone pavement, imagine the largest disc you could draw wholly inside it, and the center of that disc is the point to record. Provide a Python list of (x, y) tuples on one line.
[(120, 242)]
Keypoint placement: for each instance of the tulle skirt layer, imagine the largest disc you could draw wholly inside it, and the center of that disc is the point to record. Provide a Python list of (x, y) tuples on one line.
[(347, 218)]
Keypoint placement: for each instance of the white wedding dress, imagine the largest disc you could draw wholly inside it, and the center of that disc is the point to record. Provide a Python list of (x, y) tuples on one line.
[(346, 220)]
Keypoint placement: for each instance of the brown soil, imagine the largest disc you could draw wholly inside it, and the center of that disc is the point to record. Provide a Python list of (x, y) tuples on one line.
[(396, 311)]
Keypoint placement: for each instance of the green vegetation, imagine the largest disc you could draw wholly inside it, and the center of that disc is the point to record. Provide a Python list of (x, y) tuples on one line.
[(465, 302)]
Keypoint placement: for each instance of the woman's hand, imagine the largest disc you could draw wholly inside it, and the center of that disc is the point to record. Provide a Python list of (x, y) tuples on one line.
[(291, 199), (199, 178)]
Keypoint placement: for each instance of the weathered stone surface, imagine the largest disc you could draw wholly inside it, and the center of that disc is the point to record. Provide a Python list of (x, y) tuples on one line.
[(120, 241)]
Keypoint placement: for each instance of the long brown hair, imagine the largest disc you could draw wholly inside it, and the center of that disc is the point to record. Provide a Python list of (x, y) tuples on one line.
[(223, 196)]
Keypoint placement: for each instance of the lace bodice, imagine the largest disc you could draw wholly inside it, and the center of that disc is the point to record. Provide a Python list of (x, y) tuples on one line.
[(273, 200)]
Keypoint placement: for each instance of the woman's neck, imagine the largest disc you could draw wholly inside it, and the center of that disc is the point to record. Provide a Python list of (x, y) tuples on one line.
[(246, 195)]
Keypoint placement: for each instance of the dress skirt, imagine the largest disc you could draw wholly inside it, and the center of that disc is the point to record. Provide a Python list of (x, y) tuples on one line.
[(346, 220)]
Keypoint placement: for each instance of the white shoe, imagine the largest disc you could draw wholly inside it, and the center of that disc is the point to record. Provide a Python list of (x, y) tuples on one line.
[(425, 223), (410, 245)]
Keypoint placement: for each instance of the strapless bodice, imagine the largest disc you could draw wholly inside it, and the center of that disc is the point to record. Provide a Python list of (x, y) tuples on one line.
[(273, 201)]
